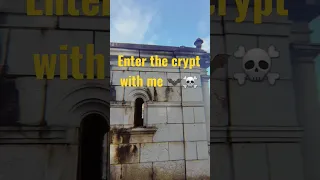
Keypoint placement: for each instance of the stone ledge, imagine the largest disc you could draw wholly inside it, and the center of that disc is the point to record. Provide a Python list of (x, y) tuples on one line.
[(255, 134), (305, 52), (120, 104), (132, 135), (33, 135)]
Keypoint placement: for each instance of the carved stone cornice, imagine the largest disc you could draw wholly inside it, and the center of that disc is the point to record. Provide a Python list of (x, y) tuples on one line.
[(304, 52), (255, 134)]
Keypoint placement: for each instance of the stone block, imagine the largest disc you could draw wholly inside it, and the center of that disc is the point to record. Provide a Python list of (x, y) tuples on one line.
[(271, 105), (176, 151), (273, 18), (137, 171), (152, 152), (202, 150), (282, 64), (17, 158), (87, 23), (116, 76), (191, 151), (258, 29), (287, 155), (168, 170), (174, 115), (124, 153), (168, 132), (219, 103), (4, 33), (115, 172), (195, 132), (167, 94), (160, 54), (216, 28), (247, 156), (233, 42), (141, 138), (23, 21), (116, 116), (188, 115), (128, 116), (197, 81), (220, 162), (157, 115), (174, 77), (198, 169), (119, 93), (30, 42), (199, 115), (32, 96), (188, 94), (153, 75), (217, 46), (102, 46), (59, 158)]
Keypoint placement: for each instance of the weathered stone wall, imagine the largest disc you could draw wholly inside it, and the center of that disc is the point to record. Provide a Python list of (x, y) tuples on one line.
[(173, 145), (255, 133), (52, 109)]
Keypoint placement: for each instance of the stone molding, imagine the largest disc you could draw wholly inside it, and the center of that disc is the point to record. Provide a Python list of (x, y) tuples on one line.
[(255, 134), (33, 135), (120, 104), (304, 52)]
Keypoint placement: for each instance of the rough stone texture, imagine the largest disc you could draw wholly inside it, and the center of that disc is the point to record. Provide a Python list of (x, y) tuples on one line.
[(47, 114), (137, 171), (175, 113), (170, 170), (253, 124)]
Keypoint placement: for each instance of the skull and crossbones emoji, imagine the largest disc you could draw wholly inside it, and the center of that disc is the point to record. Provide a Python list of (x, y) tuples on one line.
[(190, 82), (256, 64)]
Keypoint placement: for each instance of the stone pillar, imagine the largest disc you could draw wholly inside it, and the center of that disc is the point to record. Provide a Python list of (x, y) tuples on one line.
[(307, 103), (206, 100)]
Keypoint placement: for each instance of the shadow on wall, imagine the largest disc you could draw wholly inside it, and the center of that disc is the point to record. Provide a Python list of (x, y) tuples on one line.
[(9, 95), (9, 103), (315, 38)]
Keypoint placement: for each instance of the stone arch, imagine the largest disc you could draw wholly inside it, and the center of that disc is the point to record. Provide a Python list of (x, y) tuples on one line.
[(139, 93), (135, 95), (79, 102)]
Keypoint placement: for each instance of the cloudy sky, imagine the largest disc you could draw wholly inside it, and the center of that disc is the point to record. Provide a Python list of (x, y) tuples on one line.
[(160, 22)]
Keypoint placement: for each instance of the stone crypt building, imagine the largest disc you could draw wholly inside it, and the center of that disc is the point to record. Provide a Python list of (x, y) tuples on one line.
[(159, 132)]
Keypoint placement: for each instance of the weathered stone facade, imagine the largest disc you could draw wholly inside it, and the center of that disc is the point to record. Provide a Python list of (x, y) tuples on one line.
[(257, 129), (40, 119), (173, 143)]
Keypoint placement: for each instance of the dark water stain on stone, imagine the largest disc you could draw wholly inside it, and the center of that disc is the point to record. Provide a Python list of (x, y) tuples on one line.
[(125, 152), (167, 93), (155, 94), (149, 93)]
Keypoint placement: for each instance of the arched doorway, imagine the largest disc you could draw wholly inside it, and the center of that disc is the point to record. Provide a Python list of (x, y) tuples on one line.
[(93, 151)]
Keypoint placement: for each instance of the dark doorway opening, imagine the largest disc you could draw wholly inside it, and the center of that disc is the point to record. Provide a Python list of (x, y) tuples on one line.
[(138, 112), (91, 152)]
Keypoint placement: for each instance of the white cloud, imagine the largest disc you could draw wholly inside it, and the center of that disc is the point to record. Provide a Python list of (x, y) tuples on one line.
[(202, 27), (206, 44), (130, 21)]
